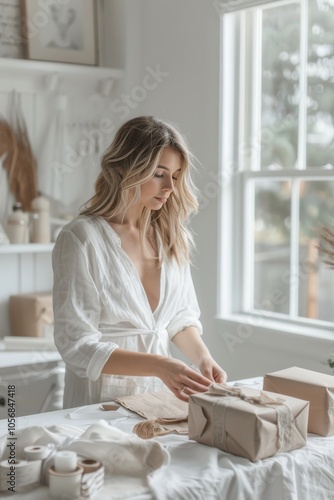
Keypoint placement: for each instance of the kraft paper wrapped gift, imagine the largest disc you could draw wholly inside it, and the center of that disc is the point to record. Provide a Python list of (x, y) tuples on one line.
[(247, 422), (318, 388), (31, 314)]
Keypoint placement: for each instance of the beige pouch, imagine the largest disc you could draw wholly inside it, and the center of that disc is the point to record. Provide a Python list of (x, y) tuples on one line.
[(170, 412)]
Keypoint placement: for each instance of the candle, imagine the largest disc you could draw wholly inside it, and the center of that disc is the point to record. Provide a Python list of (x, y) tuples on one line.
[(65, 461)]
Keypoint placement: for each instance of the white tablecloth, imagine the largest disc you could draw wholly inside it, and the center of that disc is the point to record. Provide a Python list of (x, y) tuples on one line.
[(198, 472)]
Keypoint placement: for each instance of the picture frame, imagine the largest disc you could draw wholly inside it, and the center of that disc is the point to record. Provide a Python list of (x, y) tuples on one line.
[(10, 29), (60, 31)]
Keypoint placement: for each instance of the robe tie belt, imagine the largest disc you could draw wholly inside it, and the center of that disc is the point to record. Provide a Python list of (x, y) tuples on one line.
[(128, 332)]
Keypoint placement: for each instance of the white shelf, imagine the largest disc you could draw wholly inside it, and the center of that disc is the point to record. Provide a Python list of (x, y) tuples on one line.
[(40, 72), (28, 248), (19, 66)]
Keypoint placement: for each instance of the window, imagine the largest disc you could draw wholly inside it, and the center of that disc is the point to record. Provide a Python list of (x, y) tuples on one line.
[(277, 129)]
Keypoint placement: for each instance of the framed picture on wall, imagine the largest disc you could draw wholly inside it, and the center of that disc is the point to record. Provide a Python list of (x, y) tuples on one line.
[(62, 31), (10, 29)]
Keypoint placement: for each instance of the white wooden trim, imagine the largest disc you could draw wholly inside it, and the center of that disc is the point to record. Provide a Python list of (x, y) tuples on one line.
[(294, 250), (302, 105), (314, 174), (226, 6), (278, 324), (29, 248), (228, 156)]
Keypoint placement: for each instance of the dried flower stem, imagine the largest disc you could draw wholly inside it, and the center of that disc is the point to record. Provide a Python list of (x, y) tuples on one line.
[(19, 162)]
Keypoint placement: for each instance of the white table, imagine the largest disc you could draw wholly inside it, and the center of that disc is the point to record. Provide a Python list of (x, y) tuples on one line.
[(198, 472)]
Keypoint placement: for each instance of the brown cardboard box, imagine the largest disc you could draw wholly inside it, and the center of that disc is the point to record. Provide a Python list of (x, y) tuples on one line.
[(318, 388), (31, 314), (250, 430)]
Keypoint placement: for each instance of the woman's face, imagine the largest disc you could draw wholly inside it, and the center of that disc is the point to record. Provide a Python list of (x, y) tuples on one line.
[(156, 191)]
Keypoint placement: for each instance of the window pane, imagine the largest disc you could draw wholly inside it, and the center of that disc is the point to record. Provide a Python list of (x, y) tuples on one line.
[(272, 246), (280, 86), (316, 281), (320, 72)]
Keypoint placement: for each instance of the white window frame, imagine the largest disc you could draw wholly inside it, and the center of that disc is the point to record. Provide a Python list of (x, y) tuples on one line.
[(235, 217)]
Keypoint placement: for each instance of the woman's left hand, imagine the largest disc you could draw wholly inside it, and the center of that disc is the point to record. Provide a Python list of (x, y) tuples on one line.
[(211, 370)]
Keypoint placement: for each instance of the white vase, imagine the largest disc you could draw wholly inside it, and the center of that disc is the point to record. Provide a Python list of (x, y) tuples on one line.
[(41, 230), (18, 225)]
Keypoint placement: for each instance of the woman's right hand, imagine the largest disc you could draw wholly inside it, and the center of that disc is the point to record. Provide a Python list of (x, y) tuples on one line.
[(175, 374), (180, 378)]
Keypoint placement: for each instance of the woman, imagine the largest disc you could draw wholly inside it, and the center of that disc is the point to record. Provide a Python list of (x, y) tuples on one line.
[(122, 282)]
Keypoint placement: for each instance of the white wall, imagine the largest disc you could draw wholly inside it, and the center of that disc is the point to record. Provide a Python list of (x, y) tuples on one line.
[(182, 38)]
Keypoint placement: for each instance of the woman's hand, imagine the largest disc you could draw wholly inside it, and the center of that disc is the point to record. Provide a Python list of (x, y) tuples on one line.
[(181, 379), (191, 344), (211, 370)]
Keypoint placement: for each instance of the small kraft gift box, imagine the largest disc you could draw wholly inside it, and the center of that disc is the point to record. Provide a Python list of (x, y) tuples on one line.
[(31, 314), (318, 388), (247, 422)]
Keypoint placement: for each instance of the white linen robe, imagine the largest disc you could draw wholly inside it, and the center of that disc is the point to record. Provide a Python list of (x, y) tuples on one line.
[(100, 304)]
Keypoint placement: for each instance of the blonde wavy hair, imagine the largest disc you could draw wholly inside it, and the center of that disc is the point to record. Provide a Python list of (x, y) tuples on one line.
[(132, 160)]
